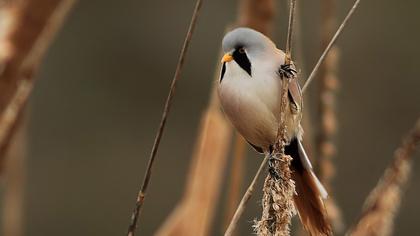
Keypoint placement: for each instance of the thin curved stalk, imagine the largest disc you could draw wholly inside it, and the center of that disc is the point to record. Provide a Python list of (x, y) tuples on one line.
[(330, 44), (148, 174)]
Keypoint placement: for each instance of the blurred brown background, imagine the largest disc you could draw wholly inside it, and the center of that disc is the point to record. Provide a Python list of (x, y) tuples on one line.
[(101, 89)]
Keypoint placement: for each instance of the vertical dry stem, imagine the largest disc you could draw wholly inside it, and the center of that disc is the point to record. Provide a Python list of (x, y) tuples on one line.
[(329, 85), (23, 41), (14, 183), (278, 208), (32, 25), (278, 191), (30, 28), (289, 40), (279, 188), (383, 202), (12, 114)]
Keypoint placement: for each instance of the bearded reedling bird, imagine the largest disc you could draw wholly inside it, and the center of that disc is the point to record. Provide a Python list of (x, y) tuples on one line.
[(249, 92)]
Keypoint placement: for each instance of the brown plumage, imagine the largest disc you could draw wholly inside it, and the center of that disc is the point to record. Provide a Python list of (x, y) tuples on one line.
[(308, 201)]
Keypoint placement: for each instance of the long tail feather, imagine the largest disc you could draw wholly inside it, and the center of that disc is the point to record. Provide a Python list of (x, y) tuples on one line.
[(310, 193)]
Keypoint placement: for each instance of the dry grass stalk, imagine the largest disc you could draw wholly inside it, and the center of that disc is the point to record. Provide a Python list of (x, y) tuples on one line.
[(383, 202), (30, 29), (290, 31), (194, 214), (9, 121), (148, 174), (328, 83), (328, 89), (278, 207), (14, 185), (278, 191), (329, 46)]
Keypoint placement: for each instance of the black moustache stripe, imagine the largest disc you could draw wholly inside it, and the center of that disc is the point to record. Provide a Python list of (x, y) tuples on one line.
[(223, 71), (242, 61)]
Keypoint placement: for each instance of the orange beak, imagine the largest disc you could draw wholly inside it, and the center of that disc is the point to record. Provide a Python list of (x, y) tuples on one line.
[(227, 58)]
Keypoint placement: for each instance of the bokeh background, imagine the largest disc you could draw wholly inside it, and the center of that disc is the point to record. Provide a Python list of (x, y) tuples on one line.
[(100, 93)]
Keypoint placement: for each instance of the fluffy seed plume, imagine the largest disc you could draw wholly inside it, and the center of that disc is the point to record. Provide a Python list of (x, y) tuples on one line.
[(277, 202), (383, 202)]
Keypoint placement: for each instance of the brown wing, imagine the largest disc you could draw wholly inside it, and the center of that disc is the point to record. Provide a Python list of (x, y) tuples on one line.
[(295, 93)]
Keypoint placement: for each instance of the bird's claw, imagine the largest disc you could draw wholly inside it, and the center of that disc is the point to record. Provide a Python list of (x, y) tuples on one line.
[(272, 167), (287, 71)]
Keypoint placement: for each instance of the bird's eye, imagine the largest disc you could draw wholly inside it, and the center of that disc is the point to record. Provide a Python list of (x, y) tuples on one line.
[(241, 50)]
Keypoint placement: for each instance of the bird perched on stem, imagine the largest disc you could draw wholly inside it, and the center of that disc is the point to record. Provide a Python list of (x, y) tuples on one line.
[(249, 91)]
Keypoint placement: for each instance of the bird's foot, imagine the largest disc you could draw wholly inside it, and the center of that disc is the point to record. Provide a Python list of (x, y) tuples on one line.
[(287, 70), (272, 167)]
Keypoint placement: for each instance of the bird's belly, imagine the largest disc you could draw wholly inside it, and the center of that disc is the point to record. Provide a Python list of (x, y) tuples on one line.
[(252, 110)]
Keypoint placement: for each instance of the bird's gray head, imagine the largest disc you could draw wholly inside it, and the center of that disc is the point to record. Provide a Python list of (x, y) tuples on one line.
[(243, 45), (247, 38)]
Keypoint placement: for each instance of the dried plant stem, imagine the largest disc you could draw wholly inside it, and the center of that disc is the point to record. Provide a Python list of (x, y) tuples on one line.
[(281, 132), (11, 116), (328, 83), (330, 44), (30, 31), (23, 42), (277, 201), (278, 191), (383, 202), (279, 188), (292, 10), (143, 190), (14, 184), (241, 207), (328, 125)]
